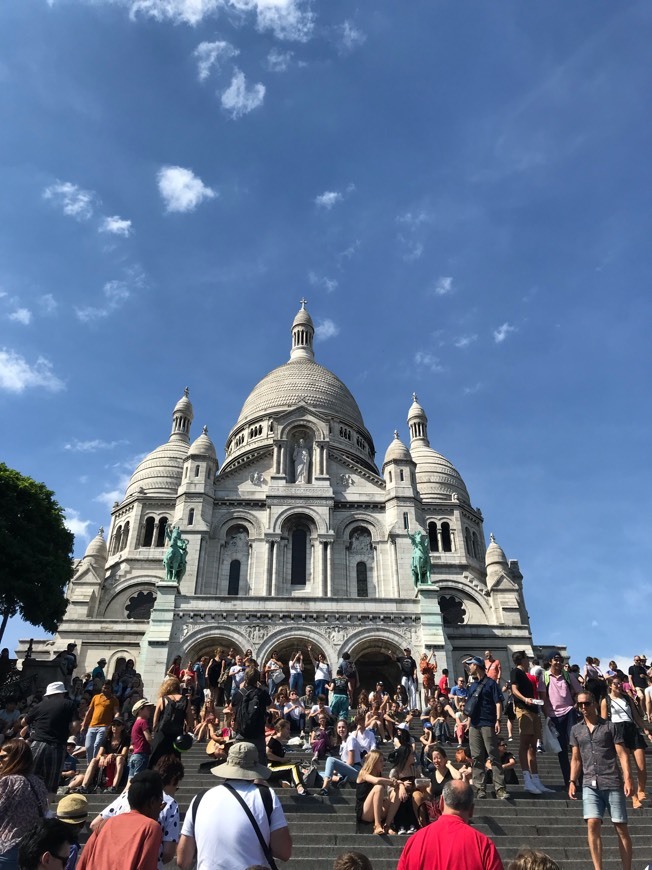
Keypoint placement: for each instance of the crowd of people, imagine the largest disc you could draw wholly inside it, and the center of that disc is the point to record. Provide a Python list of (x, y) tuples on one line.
[(261, 724)]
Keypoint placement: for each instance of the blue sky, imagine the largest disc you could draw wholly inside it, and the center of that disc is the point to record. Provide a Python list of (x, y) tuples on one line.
[(462, 192)]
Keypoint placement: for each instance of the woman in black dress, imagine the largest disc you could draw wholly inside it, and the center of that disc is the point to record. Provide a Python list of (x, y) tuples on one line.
[(371, 802)]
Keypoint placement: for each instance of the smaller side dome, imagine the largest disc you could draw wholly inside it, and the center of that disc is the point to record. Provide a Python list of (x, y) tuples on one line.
[(397, 451), (203, 446), (97, 552), (495, 554)]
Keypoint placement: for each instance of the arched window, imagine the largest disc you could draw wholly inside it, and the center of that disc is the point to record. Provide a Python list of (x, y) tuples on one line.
[(196, 471), (234, 577), (191, 516), (446, 540), (467, 541), (432, 537), (476, 548), (298, 576), (125, 536), (390, 476), (406, 521), (148, 536), (361, 580), (160, 537), (117, 537), (401, 475), (452, 610)]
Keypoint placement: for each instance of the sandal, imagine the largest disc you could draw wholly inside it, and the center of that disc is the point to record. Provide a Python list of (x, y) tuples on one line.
[(391, 832), (379, 829)]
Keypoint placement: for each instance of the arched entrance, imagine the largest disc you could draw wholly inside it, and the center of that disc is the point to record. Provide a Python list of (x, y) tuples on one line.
[(374, 660), (287, 648), (208, 646)]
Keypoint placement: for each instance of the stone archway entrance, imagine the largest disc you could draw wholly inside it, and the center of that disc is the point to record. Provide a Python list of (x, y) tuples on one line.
[(374, 661), (208, 646), (287, 649)]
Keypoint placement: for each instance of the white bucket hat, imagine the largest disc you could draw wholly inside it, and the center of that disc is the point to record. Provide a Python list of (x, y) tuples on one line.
[(55, 689)]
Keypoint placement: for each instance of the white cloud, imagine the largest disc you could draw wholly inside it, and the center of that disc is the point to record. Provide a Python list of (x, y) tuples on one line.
[(326, 329), (17, 375), (181, 189), (287, 19), (116, 225), (502, 332), (349, 252), (73, 200), (211, 54), (443, 286), (75, 524), (328, 199), (21, 315), (92, 446), (322, 281), (351, 36), (48, 304), (470, 391), (238, 100), (465, 340), (116, 293), (278, 61), (108, 497), (425, 359)]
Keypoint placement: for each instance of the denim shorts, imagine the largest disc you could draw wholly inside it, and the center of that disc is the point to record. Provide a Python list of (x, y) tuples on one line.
[(137, 762), (596, 801)]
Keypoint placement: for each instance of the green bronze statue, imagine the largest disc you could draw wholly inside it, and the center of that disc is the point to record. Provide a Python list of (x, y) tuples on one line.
[(174, 560), (420, 558)]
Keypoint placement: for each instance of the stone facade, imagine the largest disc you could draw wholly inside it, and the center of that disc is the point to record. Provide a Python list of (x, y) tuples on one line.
[(298, 538)]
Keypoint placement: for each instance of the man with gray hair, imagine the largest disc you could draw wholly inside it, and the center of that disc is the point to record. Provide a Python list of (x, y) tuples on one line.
[(452, 842)]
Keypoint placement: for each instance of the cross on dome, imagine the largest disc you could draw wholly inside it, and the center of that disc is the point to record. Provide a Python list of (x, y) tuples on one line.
[(303, 302)]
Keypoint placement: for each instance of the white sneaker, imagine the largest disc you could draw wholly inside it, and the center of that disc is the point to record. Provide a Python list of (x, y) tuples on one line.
[(542, 788), (529, 784)]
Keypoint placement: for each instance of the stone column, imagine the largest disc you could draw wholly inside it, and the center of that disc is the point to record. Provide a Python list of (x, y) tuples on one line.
[(396, 580)]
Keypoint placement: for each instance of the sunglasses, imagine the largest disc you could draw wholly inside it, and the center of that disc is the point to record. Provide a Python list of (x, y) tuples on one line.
[(584, 703)]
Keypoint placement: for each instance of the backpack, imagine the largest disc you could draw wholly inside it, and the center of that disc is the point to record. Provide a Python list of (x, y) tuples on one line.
[(173, 721), (250, 714), (565, 675)]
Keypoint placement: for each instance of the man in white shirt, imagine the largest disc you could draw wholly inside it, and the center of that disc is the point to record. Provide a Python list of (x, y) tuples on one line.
[(219, 831)]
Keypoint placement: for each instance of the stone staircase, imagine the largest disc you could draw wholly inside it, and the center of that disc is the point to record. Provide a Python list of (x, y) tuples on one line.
[(323, 827)]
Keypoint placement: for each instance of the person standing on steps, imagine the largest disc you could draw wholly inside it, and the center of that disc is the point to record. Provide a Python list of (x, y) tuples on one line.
[(408, 668), (597, 749), (562, 687), (484, 707), (529, 722)]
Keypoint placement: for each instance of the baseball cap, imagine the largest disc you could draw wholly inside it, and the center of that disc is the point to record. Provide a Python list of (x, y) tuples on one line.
[(474, 660)]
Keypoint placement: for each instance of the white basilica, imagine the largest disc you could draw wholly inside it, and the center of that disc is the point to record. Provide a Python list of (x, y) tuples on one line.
[(297, 538)]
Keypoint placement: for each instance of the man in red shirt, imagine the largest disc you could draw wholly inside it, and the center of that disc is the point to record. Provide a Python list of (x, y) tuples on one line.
[(493, 668), (130, 841), (451, 841)]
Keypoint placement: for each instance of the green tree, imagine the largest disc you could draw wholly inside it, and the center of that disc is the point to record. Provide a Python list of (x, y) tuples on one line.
[(35, 552)]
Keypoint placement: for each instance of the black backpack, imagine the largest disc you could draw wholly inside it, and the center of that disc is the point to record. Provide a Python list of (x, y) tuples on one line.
[(173, 720), (250, 714)]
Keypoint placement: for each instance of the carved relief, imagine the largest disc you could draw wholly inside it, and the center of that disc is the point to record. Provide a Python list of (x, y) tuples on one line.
[(361, 542), (257, 478)]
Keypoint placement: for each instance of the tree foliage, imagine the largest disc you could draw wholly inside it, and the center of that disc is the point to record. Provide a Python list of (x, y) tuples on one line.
[(35, 552)]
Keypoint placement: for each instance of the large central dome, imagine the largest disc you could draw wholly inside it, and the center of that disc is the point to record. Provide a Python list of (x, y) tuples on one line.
[(301, 381)]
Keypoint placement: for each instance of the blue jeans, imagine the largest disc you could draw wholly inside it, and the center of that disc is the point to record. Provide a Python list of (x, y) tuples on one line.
[(596, 801), (9, 859), (563, 724), (334, 764), (320, 689), (296, 683), (94, 738)]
